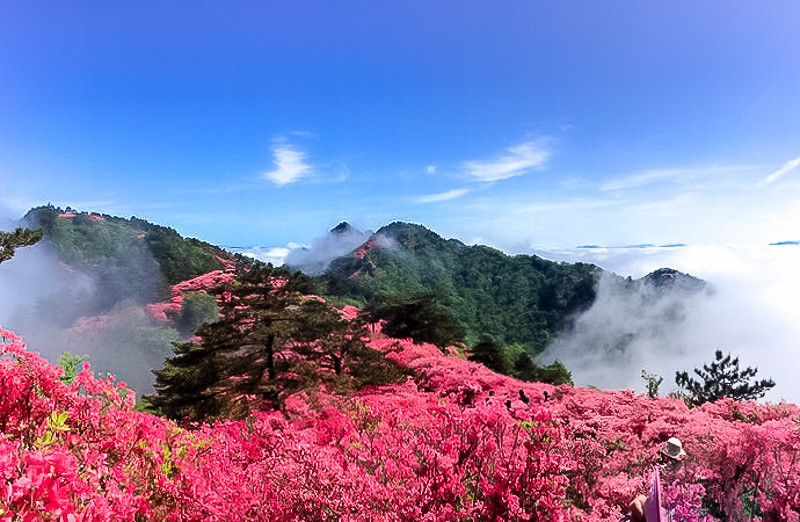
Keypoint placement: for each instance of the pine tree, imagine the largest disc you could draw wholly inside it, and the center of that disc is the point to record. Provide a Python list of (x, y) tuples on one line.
[(425, 318), (243, 354), (653, 382), (555, 373), (722, 378), (10, 241), (337, 347), (525, 369), (271, 340), (489, 354)]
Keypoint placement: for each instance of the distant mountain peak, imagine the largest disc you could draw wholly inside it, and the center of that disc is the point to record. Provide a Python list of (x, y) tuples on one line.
[(340, 241), (673, 279), (411, 235), (396, 228), (342, 228)]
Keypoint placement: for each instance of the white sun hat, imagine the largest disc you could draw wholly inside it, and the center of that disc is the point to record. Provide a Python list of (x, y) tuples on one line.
[(673, 449)]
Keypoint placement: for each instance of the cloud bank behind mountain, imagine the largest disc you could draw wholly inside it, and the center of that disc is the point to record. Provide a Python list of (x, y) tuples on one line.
[(752, 313)]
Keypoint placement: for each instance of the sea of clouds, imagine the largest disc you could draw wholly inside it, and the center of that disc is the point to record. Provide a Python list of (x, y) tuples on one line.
[(751, 309), (751, 312), (59, 309)]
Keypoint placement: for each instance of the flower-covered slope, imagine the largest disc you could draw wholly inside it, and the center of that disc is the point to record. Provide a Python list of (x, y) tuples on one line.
[(164, 311), (455, 442)]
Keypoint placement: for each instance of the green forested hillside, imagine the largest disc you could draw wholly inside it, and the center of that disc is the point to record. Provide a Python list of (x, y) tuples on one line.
[(506, 309), (131, 258), (520, 299)]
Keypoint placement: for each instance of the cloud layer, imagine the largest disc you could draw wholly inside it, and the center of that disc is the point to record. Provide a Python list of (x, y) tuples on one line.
[(785, 169), (57, 308), (751, 313)]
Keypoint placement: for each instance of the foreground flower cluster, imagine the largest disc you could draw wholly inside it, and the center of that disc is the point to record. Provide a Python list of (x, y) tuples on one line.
[(455, 442)]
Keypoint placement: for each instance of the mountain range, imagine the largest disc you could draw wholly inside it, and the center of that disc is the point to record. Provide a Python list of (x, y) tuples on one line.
[(484, 294), (520, 299)]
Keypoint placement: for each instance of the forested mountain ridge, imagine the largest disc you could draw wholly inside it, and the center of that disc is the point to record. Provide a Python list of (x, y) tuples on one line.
[(519, 299), (428, 288), (122, 252)]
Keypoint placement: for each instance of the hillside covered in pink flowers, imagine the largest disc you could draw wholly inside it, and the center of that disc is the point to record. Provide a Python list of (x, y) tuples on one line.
[(319, 435), (454, 441)]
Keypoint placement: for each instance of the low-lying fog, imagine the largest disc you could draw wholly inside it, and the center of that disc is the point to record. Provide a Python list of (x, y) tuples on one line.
[(751, 313), (57, 309)]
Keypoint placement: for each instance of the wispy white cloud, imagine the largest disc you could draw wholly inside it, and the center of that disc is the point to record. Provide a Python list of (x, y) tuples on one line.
[(785, 169), (517, 161), (275, 255), (675, 176), (444, 196), (290, 165), (642, 179), (430, 169), (682, 204), (566, 206), (338, 172)]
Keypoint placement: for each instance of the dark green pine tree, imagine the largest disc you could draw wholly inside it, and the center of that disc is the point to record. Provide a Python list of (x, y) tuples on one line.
[(525, 369), (555, 373), (425, 318), (722, 378), (336, 347), (489, 354), (10, 241), (324, 337), (270, 341), (248, 352), (188, 386)]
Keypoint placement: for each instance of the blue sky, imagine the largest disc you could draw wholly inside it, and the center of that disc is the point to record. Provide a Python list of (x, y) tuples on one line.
[(524, 125)]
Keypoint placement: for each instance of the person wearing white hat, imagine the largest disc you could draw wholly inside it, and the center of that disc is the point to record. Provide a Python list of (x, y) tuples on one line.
[(670, 454), (673, 449)]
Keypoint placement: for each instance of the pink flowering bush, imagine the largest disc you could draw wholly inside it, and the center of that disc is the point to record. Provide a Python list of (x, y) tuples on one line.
[(78, 452), (455, 442)]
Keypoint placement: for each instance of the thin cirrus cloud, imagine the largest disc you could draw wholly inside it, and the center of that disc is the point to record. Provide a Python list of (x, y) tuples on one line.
[(700, 177), (290, 165), (785, 169), (443, 196), (517, 160), (645, 178)]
